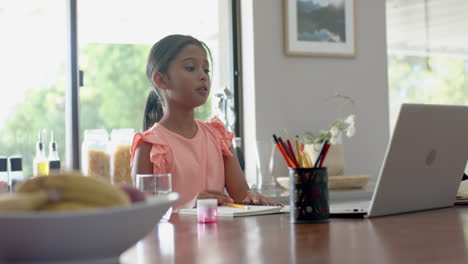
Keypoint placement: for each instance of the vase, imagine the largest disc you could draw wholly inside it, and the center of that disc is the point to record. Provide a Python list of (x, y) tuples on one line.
[(334, 161), (267, 183)]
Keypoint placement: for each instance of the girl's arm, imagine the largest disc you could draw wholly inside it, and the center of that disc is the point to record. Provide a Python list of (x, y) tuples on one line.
[(236, 184), (141, 162)]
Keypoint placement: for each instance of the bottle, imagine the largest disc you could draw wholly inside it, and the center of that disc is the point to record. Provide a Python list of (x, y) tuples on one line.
[(4, 177), (40, 162), (54, 160), (16, 170)]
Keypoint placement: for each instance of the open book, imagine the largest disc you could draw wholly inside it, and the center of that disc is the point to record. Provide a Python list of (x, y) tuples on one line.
[(227, 211)]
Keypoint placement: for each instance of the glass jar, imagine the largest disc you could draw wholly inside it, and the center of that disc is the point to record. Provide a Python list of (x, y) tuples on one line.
[(121, 140), (95, 158)]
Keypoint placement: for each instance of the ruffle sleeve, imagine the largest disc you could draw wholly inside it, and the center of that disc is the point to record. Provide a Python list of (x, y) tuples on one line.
[(224, 137), (159, 154)]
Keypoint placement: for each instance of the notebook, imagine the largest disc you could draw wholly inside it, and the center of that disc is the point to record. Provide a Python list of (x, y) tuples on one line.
[(423, 164), (227, 211)]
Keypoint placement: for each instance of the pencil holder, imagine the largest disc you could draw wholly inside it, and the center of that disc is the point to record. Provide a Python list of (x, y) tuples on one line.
[(308, 196)]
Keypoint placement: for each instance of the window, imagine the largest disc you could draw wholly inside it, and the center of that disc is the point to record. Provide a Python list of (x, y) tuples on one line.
[(33, 54), (114, 38), (114, 44), (427, 51)]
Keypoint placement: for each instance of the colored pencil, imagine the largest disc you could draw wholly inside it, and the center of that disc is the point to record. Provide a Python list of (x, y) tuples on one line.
[(283, 152), (236, 205), (322, 149), (306, 159), (289, 152), (324, 155), (298, 152), (294, 159), (285, 147)]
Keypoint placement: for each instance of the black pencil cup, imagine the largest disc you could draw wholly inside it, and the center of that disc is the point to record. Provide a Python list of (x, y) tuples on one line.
[(308, 197)]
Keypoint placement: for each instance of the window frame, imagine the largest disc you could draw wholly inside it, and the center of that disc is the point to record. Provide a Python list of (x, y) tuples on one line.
[(237, 68)]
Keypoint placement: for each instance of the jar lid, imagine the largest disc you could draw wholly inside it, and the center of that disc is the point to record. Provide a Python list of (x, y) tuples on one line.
[(96, 133), (207, 203), (100, 134), (123, 135)]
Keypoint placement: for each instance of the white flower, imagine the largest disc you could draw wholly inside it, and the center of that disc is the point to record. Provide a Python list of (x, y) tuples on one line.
[(350, 131), (334, 131), (350, 120), (343, 125)]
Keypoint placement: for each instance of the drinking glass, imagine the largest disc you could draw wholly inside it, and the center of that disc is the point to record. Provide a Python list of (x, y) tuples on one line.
[(155, 184), (266, 183)]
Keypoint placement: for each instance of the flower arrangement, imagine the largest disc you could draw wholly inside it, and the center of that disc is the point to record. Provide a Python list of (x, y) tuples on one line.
[(344, 124)]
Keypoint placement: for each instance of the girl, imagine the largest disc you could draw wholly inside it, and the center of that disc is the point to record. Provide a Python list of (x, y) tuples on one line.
[(198, 154)]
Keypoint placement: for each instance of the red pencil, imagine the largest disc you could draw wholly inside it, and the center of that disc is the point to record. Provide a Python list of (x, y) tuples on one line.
[(325, 151), (285, 147), (293, 155), (283, 153), (320, 155)]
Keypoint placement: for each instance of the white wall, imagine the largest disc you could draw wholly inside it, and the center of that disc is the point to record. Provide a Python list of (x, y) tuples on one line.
[(288, 92)]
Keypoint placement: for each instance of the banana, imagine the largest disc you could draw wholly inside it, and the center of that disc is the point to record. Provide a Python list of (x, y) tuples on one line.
[(67, 206), (23, 201), (74, 187)]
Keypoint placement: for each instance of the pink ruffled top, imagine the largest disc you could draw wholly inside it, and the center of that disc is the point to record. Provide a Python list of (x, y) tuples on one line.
[(196, 164)]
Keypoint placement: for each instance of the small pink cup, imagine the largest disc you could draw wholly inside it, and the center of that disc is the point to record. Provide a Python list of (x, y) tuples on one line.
[(207, 211)]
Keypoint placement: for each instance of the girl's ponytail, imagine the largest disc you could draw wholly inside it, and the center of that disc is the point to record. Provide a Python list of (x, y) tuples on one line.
[(153, 110)]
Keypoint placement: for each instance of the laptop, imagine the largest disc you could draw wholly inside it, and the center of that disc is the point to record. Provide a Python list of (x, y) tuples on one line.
[(423, 164)]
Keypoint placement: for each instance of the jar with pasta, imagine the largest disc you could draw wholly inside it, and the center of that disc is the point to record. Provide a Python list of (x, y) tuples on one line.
[(95, 158), (121, 140)]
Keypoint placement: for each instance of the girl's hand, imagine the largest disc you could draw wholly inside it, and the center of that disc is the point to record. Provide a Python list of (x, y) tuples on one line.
[(254, 197), (212, 194)]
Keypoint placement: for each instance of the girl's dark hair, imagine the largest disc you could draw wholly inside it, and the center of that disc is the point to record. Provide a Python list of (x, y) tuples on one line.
[(161, 54)]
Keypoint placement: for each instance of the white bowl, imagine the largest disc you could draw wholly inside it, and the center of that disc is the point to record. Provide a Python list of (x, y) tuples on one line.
[(97, 236)]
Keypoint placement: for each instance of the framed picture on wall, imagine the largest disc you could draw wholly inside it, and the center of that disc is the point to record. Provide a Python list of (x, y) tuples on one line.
[(319, 28)]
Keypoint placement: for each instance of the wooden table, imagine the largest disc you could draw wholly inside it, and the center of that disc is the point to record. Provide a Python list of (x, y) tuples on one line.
[(436, 236)]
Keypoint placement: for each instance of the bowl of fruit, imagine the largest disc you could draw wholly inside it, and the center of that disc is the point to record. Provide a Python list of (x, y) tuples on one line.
[(71, 218)]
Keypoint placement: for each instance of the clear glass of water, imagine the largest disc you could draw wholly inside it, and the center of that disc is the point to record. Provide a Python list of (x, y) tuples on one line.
[(155, 185)]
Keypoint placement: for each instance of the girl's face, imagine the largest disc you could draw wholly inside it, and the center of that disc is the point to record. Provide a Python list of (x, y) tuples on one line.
[(188, 81)]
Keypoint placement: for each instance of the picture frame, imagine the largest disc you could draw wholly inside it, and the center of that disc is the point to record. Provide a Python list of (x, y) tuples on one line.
[(319, 28)]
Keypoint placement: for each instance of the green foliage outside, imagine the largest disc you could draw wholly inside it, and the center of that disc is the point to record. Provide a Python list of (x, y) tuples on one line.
[(113, 96), (115, 86), (41, 109), (430, 80)]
